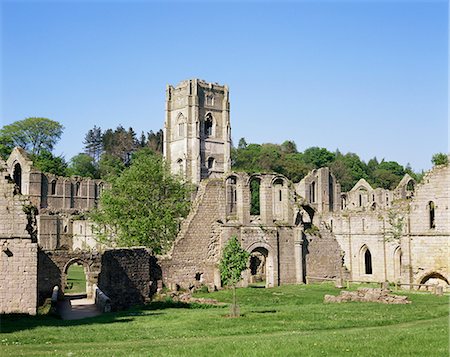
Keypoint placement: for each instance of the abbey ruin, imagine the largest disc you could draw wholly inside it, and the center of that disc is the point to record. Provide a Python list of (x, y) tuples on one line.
[(298, 232)]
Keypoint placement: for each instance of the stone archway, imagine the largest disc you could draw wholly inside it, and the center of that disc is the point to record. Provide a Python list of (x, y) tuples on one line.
[(261, 264), (434, 278), (87, 274)]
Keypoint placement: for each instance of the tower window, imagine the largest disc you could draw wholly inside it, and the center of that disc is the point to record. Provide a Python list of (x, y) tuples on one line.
[(208, 125), (210, 163)]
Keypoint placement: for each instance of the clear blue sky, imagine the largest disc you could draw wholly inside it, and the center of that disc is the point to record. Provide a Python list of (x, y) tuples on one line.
[(369, 77)]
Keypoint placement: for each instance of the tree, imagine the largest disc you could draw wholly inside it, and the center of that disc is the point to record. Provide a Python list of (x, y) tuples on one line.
[(33, 134), (242, 143), (233, 262), (83, 165), (6, 146), (45, 161), (143, 206), (439, 159), (319, 157), (93, 143)]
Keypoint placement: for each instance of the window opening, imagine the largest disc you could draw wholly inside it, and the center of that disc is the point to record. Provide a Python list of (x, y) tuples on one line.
[(255, 186), (368, 262), (431, 211)]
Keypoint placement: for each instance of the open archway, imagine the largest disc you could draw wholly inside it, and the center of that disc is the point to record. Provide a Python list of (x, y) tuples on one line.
[(75, 278), (261, 265), (434, 278)]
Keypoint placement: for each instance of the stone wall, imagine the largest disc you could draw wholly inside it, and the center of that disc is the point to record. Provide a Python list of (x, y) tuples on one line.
[(53, 266), (18, 255), (323, 256), (128, 276)]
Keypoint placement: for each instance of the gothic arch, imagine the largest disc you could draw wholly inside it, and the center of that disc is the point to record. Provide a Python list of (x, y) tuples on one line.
[(268, 252), (209, 124), (365, 258)]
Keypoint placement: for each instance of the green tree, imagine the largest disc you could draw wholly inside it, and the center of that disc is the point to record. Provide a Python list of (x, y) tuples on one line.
[(45, 161), (289, 147), (143, 206), (83, 165), (319, 157), (439, 159), (93, 143), (33, 134), (233, 262), (6, 146), (242, 143)]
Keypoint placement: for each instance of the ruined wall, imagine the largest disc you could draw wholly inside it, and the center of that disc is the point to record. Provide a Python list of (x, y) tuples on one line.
[(53, 266), (18, 255), (430, 243), (197, 247), (323, 256), (128, 276)]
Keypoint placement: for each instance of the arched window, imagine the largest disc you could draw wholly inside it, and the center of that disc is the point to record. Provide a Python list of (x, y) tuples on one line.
[(431, 214), (53, 187), (72, 193), (180, 129), (398, 263), (231, 195), (77, 189), (210, 163), (17, 176), (208, 130), (410, 185), (367, 261), (360, 200), (312, 193), (255, 184), (330, 193)]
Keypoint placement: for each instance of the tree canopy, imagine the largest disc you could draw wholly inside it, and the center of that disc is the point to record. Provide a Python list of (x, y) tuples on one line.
[(143, 206), (33, 134), (285, 159)]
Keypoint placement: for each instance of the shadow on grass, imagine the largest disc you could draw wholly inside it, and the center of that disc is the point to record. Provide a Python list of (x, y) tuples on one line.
[(171, 304), (18, 322)]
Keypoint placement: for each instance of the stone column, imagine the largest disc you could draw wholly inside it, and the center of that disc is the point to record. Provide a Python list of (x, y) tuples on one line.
[(298, 252)]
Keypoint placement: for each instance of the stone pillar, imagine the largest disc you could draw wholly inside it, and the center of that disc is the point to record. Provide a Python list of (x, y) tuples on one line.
[(298, 253)]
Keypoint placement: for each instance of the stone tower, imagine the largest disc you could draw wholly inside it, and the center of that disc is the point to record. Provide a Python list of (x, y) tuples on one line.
[(197, 134)]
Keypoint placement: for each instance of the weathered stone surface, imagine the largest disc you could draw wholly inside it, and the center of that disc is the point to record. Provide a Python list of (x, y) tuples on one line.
[(367, 295)]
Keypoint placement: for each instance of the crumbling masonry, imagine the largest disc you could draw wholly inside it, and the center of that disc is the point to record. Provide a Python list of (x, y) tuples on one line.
[(294, 232)]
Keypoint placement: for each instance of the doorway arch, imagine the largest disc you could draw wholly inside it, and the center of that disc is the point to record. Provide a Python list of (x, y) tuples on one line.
[(88, 289), (261, 264)]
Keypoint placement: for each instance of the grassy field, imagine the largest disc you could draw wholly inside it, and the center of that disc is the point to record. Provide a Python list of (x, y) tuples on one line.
[(76, 280), (284, 321)]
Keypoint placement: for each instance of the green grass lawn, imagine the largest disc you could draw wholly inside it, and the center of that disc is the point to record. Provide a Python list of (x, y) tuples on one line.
[(284, 321), (76, 280)]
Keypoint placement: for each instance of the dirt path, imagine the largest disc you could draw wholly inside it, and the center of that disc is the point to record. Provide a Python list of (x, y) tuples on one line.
[(75, 308)]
